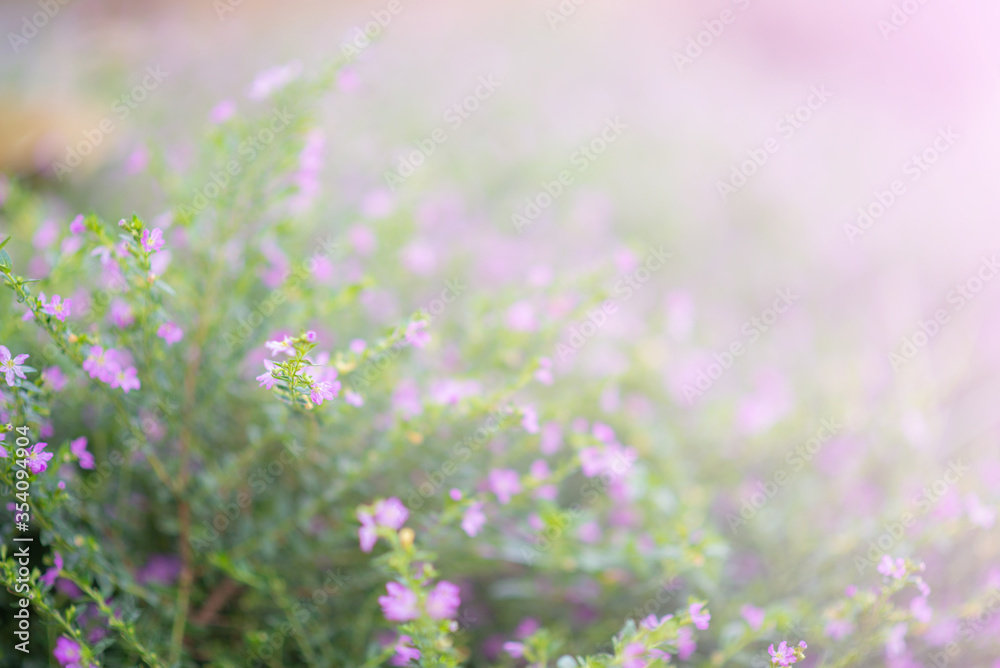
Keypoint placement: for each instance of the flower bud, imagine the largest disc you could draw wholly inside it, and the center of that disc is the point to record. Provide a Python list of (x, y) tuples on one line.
[(406, 537)]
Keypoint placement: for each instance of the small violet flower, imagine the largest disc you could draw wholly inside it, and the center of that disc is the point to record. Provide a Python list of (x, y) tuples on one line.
[(367, 535), (632, 655), (11, 366), (282, 346), (391, 513), (443, 601), (474, 519), (58, 307), (504, 483), (753, 615), (401, 603), (267, 379), (417, 334), (54, 378), (79, 449), (529, 419), (126, 379), (321, 391), (515, 649), (544, 373), (651, 622), (50, 575), (404, 651), (592, 461), (152, 240), (170, 333), (101, 364), (699, 618), (222, 112), (36, 459), (121, 314), (66, 652)]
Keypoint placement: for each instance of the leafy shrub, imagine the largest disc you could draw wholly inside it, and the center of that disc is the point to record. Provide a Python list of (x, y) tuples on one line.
[(227, 457)]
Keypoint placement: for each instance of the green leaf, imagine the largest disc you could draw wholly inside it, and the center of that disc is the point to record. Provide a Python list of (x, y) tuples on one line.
[(5, 262)]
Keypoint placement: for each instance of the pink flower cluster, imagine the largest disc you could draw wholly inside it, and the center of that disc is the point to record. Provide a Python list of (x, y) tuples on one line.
[(785, 655), (78, 447), (890, 568), (504, 483), (404, 651), (473, 520), (401, 604), (170, 333), (307, 178), (390, 513), (50, 575), (417, 334), (698, 618), (612, 457), (323, 383), (634, 655), (112, 367)]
